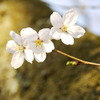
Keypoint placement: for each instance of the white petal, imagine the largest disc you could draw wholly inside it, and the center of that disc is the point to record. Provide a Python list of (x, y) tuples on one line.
[(76, 31), (40, 57), (44, 34), (37, 49), (29, 33), (28, 44), (70, 17), (56, 20), (17, 59), (17, 38), (67, 39), (11, 46), (29, 55), (55, 33), (48, 46)]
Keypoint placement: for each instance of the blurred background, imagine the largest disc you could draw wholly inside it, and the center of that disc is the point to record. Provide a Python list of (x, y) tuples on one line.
[(52, 79)]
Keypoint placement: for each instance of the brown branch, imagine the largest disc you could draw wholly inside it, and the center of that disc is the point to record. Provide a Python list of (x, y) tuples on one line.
[(77, 59)]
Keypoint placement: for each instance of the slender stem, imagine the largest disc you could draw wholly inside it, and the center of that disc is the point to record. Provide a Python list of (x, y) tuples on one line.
[(77, 59)]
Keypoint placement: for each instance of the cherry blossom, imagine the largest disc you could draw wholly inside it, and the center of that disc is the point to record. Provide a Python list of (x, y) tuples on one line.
[(20, 50), (40, 42), (64, 28)]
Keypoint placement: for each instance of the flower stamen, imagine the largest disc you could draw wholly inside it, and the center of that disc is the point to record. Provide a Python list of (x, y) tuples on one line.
[(64, 28), (38, 42), (20, 48)]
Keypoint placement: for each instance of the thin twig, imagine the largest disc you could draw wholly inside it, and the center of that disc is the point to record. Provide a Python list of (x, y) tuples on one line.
[(77, 59)]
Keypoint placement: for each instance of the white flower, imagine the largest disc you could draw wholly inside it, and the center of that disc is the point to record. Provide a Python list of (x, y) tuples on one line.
[(20, 49), (40, 42), (64, 28)]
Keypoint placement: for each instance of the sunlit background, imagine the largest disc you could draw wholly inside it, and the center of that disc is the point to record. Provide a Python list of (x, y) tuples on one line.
[(89, 11)]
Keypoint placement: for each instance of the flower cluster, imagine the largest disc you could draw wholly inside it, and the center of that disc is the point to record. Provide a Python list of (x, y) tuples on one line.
[(30, 45)]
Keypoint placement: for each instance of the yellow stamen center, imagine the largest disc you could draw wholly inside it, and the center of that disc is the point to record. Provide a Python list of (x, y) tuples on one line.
[(38, 42), (64, 28), (20, 48)]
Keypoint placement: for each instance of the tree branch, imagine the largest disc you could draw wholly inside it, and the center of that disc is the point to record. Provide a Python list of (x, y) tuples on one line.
[(77, 59)]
